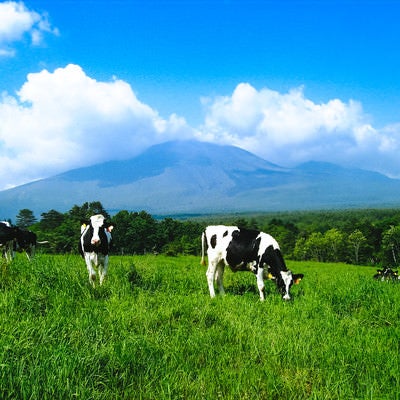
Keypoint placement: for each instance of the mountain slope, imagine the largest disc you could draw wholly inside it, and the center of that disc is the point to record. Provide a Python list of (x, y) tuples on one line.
[(195, 177), (179, 155)]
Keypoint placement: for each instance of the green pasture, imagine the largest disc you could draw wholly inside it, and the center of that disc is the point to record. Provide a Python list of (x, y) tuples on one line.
[(152, 332)]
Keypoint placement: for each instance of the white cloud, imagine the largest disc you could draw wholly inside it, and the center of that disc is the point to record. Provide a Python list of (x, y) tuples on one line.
[(16, 21), (288, 128), (65, 119)]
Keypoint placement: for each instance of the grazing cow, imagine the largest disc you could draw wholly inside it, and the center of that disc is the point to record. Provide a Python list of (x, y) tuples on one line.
[(245, 250), (386, 274), (8, 235), (94, 245)]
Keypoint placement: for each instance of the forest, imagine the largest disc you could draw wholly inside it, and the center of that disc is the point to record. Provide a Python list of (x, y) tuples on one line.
[(360, 236)]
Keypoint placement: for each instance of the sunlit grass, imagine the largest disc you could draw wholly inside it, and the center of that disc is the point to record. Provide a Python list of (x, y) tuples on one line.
[(152, 331)]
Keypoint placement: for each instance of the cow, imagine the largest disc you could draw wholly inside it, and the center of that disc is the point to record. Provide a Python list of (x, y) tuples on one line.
[(245, 250), (94, 245), (8, 235), (13, 238), (26, 241), (386, 274)]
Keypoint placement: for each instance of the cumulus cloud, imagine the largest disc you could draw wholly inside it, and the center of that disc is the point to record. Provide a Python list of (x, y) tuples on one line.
[(16, 22), (288, 128), (65, 119)]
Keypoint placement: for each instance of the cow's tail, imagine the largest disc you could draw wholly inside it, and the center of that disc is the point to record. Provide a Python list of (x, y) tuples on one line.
[(203, 248)]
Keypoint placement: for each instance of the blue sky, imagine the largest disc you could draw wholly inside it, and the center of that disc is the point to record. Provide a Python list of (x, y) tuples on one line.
[(291, 80)]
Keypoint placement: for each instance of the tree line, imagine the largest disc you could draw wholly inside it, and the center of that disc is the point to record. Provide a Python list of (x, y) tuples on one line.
[(365, 237)]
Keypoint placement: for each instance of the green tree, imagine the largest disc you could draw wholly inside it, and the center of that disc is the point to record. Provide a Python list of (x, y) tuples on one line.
[(391, 245), (25, 218), (316, 247), (285, 234), (168, 230), (135, 232), (356, 241), (51, 220), (241, 223), (86, 210), (121, 234), (300, 251), (334, 240)]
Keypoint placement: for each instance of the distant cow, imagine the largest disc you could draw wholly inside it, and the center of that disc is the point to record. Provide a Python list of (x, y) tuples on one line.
[(8, 235), (386, 274), (13, 238), (245, 250), (94, 245)]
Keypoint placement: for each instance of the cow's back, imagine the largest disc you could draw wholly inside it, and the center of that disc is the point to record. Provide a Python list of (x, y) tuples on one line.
[(218, 237)]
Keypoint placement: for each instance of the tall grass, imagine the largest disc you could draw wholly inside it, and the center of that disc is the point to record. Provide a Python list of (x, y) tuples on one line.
[(152, 332)]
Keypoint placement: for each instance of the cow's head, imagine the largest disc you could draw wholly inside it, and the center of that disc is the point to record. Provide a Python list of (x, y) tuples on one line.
[(284, 281), (386, 274), (94, 227), (97, 222)]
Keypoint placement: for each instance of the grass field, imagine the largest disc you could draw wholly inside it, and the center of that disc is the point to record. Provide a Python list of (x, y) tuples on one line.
[(152, 332)]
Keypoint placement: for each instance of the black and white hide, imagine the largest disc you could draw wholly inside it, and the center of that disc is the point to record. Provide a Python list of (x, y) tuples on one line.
[(245, 250), (8, 235), (94, 246)]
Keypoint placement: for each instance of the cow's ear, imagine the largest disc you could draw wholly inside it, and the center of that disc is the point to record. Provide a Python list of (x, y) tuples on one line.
[(297, 278), (84, 222), (110, 228)]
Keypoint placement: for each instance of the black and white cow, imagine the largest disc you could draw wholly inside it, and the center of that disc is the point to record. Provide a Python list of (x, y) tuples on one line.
[(94, 246), (387, 274), (245, 250), (13, 238), (8, 235)]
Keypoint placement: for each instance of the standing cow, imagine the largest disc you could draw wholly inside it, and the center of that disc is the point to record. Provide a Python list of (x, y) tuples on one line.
[(94, 246), (14, 239), (245, 250), (8, 235)]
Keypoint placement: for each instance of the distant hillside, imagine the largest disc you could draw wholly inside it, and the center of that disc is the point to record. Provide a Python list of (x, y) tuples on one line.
[(196, 177)]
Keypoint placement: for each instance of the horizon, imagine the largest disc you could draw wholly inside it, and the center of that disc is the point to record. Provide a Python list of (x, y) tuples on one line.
[(207, 179)]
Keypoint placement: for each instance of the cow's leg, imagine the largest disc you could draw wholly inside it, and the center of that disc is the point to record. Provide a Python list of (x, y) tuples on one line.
[(219, 277), (260, 283), (6, 253), (9, 252), (89, 258), (33, 251), (212, 266), (287, 279), (103, 265)]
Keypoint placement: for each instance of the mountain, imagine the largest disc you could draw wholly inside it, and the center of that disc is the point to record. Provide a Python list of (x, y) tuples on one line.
[(190, 177)]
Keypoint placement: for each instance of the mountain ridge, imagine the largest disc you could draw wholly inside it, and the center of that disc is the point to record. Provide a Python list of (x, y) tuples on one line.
[(190, 177)]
